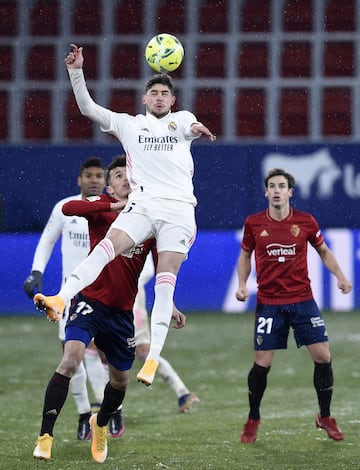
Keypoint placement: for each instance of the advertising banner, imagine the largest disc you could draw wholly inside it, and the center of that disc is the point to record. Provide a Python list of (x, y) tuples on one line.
[(207, 280)]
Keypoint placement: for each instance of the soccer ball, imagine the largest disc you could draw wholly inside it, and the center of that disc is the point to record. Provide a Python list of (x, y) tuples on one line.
[(164, 53)]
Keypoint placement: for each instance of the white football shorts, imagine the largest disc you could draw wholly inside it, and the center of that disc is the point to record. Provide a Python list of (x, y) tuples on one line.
[(171, 222)]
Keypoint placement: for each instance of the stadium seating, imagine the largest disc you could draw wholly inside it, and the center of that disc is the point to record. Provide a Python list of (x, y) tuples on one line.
[(41, 63), (250, 115), (213, 16), (294, 112), (123, 101), (87, 18), (211, 60), (129, 17), (253, 60), (6, 63), (337, 112), (340, 15), (339, 59), (248, 49), (45, 20), (77, 126), (298, 15), (255, 19), (208, 108), (37, 113), (125, 61), (4, 117), (167, 11), (9, 14), (296, 60)]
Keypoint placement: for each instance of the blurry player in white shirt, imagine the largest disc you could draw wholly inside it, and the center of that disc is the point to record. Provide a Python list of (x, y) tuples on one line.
[(75, 247)]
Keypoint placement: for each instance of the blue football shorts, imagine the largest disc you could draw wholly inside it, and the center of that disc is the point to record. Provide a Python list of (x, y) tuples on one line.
[(112, 330), (273, 322)]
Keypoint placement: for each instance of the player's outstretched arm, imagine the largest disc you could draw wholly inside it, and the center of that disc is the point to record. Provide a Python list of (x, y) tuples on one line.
[(75, 58), (199, 128)]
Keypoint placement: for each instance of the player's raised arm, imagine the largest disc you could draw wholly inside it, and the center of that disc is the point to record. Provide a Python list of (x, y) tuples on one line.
[(75, 58)]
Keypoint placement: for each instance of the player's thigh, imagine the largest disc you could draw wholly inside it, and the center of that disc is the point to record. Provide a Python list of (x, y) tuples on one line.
[(271, 328), (135, 223), (308, 324)]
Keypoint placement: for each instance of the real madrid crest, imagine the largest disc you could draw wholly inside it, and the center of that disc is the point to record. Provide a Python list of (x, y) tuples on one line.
[(295, 230), (172, 126)]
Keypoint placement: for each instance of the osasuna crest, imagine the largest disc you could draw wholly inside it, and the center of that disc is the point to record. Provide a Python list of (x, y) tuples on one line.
[(295, 230)]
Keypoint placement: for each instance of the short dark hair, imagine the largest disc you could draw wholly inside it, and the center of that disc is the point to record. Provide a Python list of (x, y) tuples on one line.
[(91, 162), (280, 172), (118, 160), (162, 78)]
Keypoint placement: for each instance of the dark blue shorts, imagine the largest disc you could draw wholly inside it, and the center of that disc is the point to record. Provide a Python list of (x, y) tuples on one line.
[(112, 330), (273, 322)]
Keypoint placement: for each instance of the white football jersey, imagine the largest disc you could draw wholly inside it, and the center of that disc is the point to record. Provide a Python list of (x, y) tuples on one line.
[(75, 243), (158, 158)]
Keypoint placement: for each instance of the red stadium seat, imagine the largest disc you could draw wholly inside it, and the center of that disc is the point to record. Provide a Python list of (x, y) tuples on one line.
[(208, 108), (123, 101), (37, 115), (339, 59), (9, 18), (125, 61), (294, 112), (129, 17), (44, 19), (87, 17), (213, 16), (77, 126), (255, 17), (6, 63), (250, 109), (91, 61), (167, 11), (298, 15), (41, 63), (340, 15), (296, 60), (337, 112), (253, 60), (211, 60), (4, 116)]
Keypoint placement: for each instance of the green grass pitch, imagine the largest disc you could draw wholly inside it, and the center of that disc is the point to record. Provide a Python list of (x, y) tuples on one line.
[(213, 355)]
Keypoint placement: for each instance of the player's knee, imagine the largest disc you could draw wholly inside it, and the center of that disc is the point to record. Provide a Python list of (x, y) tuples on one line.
[(142, 351)]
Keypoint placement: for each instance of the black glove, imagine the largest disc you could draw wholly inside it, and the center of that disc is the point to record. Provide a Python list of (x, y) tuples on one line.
[(33, 281)]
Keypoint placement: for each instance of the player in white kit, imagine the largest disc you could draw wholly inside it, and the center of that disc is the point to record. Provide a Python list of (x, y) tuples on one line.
[(161, 205), (75, 246)]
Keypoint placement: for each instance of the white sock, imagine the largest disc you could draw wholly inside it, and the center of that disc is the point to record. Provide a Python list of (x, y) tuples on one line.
[(168, 375), (79, 390), (161, 312), (87, 271), (96, 374)]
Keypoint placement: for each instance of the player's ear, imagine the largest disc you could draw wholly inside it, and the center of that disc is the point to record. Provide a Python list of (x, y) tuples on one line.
[(110, 190), (173, 99), (79, 181), (143, 99)]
